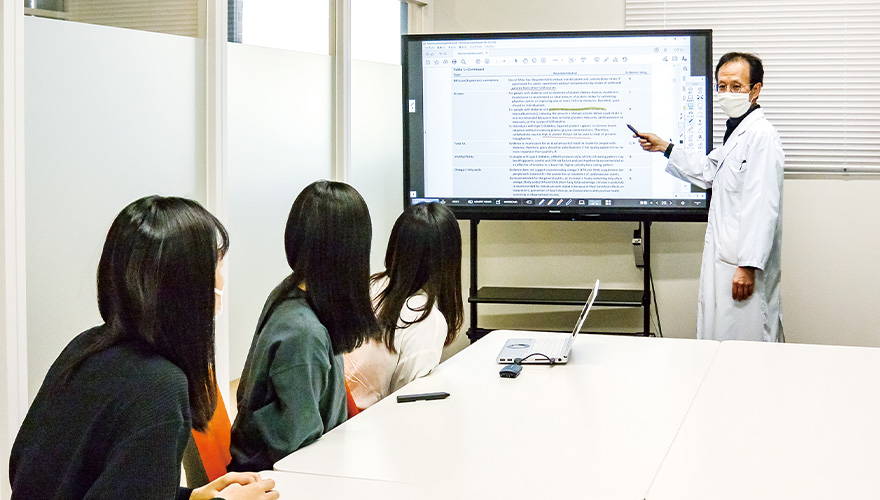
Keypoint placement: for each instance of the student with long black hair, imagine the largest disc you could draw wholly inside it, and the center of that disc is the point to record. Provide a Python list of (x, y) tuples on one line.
[(115, 411), (418, 303), (292, 389)]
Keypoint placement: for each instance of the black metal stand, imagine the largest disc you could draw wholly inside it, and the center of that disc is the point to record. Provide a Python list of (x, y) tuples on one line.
[(558, 296)]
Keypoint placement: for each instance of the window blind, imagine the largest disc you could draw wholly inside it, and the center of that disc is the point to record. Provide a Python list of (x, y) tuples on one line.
[(174, 17), (821, 70)]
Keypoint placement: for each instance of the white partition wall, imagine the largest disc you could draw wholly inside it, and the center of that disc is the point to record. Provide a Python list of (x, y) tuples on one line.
[(377, 148), (279, 141), (111, 115)]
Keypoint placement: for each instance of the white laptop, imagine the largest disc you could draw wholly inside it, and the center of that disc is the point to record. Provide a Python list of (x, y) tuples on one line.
[(546, 351)]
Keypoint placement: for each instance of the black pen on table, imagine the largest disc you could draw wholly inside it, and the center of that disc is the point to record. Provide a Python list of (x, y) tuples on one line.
[(406, 398)]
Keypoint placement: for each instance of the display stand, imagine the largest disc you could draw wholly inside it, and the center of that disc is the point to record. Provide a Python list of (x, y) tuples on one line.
[(559, 296)]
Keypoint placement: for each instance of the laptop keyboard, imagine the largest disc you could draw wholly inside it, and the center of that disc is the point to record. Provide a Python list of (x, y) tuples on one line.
[(550, 347)]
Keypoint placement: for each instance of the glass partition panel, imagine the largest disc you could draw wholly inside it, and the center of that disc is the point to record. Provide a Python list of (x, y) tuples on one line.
[(173, 17), (110, 116), (376, 150), (376, 26), (376, 126), (279, 140), (282, 24)]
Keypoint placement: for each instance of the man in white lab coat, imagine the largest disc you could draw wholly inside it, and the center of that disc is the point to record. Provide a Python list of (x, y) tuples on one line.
[(741, 270)]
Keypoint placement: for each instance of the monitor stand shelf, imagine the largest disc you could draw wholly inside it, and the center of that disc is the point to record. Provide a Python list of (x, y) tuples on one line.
[(559, 296)]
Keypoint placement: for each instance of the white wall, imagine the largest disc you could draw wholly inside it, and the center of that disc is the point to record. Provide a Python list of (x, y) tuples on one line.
[(13, 398), (9, 262), (830, 232), (830, 271), (8, 341), (6, 416), (110, 115)]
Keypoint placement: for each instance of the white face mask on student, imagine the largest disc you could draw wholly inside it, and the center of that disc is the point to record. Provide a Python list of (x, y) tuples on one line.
[(218, 310), (734, 104)]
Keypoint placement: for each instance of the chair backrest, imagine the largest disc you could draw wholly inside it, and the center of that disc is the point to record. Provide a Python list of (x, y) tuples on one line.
[(352, 407)]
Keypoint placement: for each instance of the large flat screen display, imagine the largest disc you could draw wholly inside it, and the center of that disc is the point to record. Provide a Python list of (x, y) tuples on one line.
[(534, 125)]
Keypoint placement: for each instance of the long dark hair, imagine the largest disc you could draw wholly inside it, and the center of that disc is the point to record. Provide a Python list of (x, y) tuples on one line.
[(327, 241), (156, 287), (424, 253)]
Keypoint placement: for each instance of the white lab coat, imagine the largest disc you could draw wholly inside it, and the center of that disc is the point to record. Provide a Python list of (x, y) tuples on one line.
[(745, 229)]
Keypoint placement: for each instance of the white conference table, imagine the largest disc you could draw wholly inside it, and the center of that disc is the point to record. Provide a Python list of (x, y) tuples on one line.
[(598, 427), (779, 421), (294, 486)]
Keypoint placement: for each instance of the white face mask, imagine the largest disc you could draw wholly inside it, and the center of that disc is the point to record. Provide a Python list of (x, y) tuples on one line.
[(219, 309), (734, 104)]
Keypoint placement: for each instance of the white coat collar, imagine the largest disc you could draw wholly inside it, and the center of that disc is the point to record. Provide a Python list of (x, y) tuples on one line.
[(749, 120)]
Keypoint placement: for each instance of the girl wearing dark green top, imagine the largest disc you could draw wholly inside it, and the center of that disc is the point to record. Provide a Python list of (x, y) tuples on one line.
[(292, 389)]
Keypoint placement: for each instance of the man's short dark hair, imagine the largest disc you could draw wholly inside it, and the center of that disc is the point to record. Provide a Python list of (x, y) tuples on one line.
[(756, 67)]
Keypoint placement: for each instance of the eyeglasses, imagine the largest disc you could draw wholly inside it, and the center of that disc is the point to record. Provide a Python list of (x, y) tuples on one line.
[(737, 88)]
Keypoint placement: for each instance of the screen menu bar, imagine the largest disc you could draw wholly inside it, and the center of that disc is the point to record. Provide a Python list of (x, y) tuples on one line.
[(567, 203)]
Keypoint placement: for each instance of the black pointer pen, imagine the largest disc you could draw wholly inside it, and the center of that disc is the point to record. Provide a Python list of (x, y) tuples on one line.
[(634, 130), (422, 397)]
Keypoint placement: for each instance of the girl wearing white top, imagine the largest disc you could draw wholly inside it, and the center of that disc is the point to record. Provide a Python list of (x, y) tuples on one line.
[(418, 303)]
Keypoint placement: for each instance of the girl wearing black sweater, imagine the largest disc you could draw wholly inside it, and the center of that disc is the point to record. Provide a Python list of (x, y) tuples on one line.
[(115, 411)]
